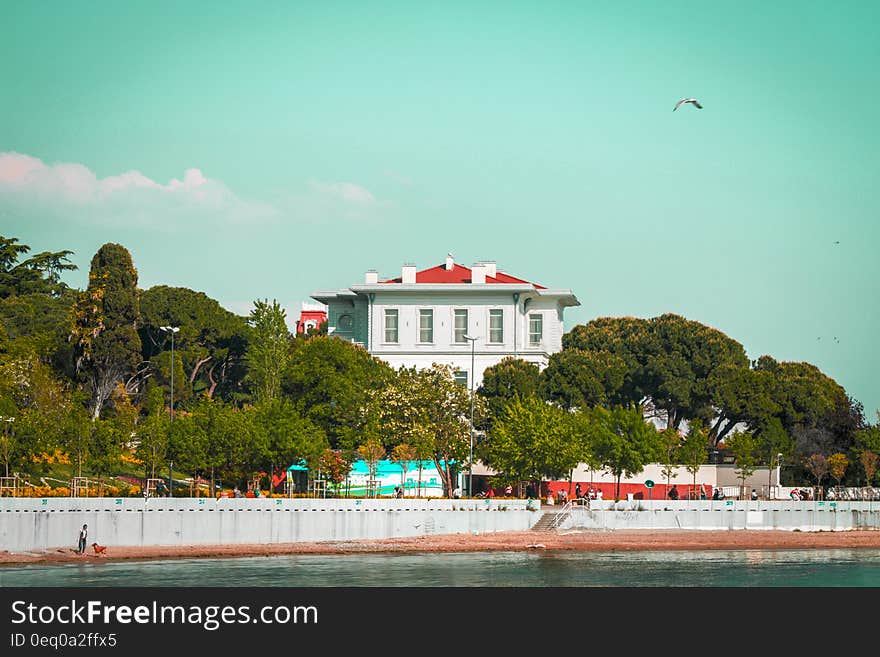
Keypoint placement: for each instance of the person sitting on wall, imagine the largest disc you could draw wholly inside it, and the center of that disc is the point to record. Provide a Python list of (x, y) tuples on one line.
[(716, 494)]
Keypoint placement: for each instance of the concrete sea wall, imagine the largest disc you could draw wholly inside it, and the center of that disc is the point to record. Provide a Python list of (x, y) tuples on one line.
[(30, 524), (723, 514)]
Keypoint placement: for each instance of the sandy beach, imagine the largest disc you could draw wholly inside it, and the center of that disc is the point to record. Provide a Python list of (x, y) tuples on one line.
[(497, 541)]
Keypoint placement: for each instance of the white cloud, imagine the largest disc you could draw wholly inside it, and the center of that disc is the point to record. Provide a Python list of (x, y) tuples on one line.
[(73, 190), (345, 191)]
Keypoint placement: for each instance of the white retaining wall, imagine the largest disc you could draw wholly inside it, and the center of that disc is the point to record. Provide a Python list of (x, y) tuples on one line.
[(30, 524), (724, 514)]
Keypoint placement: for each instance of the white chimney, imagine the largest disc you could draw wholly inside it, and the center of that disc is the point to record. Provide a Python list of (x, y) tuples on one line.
[(490, 268), (408, 274), (478, 274), (372, 277), (450, 263)]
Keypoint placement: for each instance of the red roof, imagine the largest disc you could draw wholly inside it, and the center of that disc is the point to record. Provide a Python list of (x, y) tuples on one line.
[(460, 274)]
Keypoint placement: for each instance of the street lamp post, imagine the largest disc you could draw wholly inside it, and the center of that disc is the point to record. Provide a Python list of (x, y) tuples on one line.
[(778, 473), (172, 330), (473, 342)]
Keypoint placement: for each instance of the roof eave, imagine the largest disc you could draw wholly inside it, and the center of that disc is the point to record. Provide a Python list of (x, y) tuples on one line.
[(444, 287)]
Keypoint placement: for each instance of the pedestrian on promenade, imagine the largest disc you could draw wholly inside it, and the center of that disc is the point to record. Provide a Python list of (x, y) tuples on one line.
[(577, 490), (754, 494), (83, 537)]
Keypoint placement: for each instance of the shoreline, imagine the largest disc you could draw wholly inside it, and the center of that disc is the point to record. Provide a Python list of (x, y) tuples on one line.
[(503, 541)]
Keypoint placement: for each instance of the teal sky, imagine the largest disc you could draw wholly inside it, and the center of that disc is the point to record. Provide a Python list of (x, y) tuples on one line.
[(325, 139)]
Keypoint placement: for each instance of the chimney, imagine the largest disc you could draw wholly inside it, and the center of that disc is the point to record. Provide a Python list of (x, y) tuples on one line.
[(408, 274), (490, 268), (372, 277), (450, 263), (478, 274)]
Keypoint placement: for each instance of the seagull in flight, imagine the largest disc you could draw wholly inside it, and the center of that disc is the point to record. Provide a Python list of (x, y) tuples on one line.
[(693, 101)]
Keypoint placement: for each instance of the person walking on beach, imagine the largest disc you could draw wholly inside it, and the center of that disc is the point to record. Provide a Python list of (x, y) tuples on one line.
[(83, 537)]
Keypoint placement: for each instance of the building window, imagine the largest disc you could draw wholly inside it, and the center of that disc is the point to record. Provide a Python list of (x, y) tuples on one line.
[(345, 323), (461, 325), (461, 377), (426, 325), (391, 325), (536, 329), (496, 326)]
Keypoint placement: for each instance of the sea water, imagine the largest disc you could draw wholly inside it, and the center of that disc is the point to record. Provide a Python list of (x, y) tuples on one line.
[(544, 568)]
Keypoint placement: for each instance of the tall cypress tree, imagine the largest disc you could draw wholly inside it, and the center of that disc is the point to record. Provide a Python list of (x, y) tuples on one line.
[(105, 319)]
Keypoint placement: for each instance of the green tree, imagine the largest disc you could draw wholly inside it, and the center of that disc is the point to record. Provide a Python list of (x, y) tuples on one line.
[(233, 442), (694, 450), (670, 442), (104, 331), (532, 440), (682, 357), (152, 432), (445, 407), (506, 379), (39, 274), (744, 448), (289, 437), (624, 443), (267, 352), (578, 379), (813, 408), (33, 395), (76, 433), (867, 449), (330, 380), (210, 344), (623, 337), (188, 445), (773, 444)]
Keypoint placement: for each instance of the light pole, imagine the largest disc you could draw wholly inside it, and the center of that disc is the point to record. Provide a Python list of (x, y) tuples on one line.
[(778, 473), (172, 330), (473, 342)]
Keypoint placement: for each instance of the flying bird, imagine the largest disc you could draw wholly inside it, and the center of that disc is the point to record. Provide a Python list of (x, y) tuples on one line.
[(693, 101)]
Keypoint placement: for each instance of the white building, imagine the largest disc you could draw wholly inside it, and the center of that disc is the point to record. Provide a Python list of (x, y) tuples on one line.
[(424, 317)]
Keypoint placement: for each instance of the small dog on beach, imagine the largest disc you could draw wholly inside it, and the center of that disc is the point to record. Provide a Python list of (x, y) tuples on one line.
[(99, 549)]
